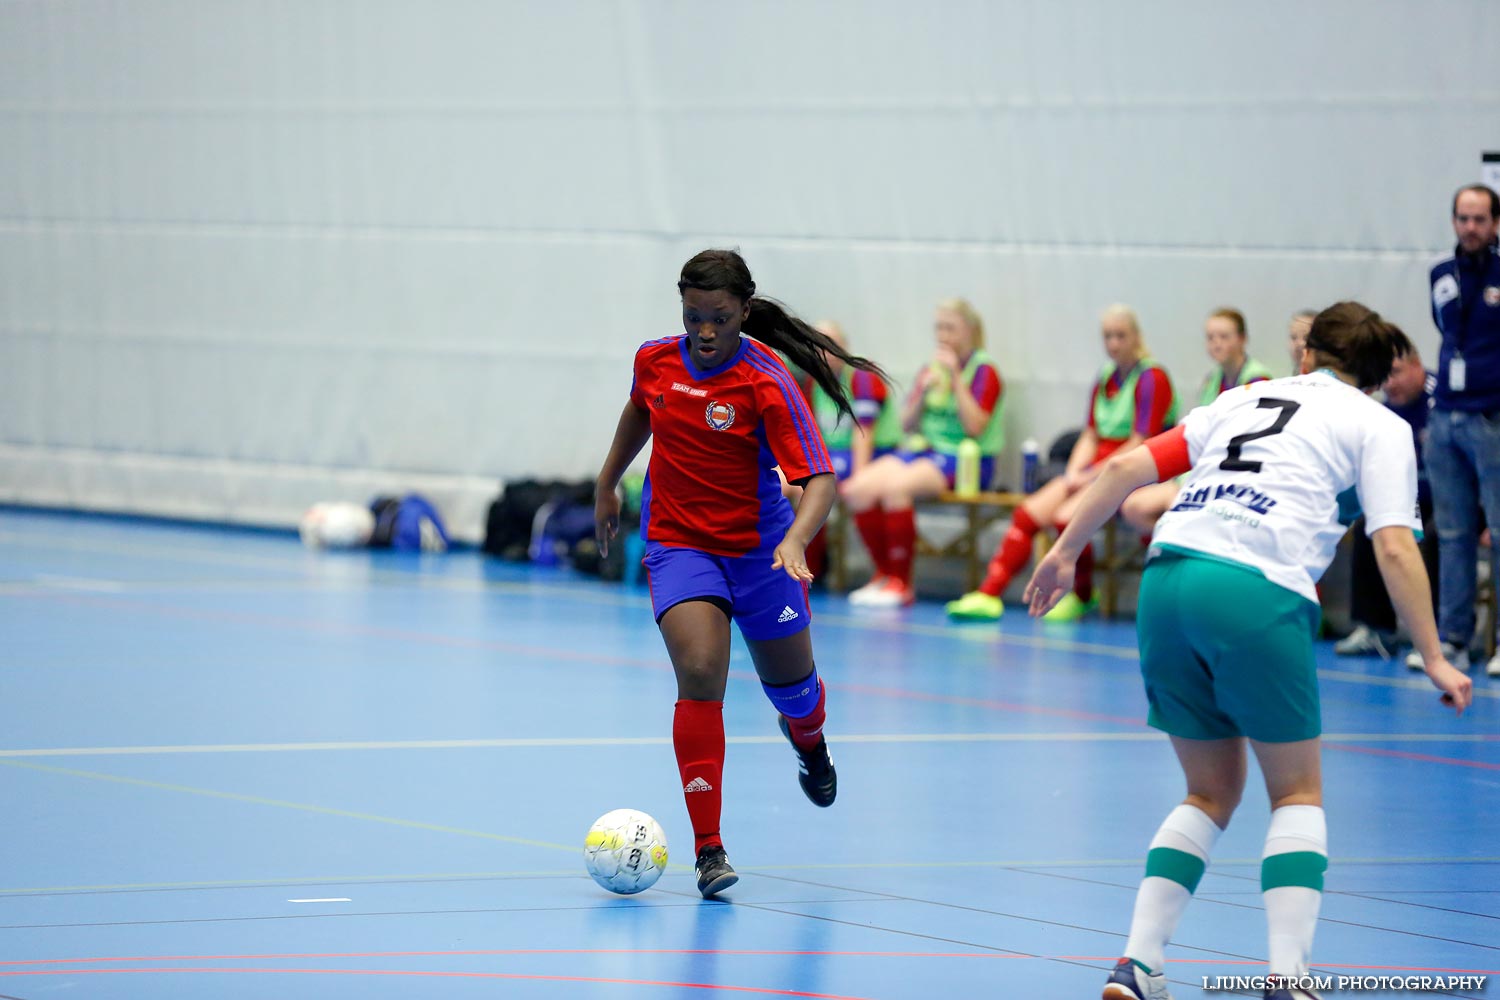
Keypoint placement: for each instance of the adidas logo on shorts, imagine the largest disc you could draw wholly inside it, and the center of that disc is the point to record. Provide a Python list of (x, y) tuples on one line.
[(697, 785), (787, 614)]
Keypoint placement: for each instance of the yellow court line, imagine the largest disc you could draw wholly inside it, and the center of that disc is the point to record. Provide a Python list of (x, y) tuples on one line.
[(282, 804), (557, 742), (299, 880), (1033, 863)]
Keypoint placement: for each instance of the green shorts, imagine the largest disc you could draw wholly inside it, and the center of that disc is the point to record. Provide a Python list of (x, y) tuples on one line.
[(1225, 652)]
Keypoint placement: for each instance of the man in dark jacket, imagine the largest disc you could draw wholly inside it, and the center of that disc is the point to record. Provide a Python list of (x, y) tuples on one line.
[(1463, 447)]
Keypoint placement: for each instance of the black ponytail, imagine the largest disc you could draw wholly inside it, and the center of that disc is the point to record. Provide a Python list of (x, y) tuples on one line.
[(773, 324), (1356, 340)]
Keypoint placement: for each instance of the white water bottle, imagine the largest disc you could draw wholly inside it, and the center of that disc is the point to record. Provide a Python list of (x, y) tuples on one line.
[(1031, 454)]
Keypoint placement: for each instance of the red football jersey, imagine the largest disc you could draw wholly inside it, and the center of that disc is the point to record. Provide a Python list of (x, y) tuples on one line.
[(718, 436)]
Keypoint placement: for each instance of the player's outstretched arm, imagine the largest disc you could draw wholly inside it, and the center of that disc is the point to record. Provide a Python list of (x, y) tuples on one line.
[(631, 435), (1406, 581), (1122, 475), (818, 493)]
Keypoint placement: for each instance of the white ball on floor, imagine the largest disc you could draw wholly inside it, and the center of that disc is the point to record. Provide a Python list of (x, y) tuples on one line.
[(625, 851), (336, 525)]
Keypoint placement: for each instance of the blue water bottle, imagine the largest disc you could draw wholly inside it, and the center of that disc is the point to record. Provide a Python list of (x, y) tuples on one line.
[(1030, 460)]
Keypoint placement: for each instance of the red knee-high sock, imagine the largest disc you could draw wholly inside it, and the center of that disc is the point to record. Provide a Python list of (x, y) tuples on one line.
[(1013, 554), (871, 525), (698, 738), (817, 552), (901, 543), (808, 730), (1083, 578)]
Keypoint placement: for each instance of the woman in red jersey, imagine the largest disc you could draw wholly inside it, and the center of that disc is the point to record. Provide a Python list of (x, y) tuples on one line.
[(722, 542), (957, 396), (1131, 401)]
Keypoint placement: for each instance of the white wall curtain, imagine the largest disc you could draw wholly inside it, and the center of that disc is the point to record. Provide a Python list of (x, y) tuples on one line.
[(257, 253)]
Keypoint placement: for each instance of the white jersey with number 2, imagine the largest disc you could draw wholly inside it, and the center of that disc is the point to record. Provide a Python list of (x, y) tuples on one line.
[(1269, 461)]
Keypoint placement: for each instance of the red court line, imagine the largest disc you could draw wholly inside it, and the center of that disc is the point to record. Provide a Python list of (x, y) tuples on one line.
[(1316, 965), (1004, 706), (1410, 755), (658, 951), (415, 973), (545, 652), (520, 951)]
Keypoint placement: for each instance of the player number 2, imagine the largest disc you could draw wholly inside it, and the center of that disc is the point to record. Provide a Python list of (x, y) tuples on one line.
[(1232, 462)]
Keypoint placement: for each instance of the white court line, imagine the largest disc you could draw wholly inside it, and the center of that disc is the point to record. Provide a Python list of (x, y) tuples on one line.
[(37, 588), (330, 899), (164, 553), (78, 583), (1414, 680), (630, 741), (873, 623), (317, 567)]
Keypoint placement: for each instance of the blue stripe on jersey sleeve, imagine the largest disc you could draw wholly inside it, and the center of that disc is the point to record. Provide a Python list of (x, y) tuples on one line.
[(760, 365), (812, 439), (867, 386), (664, 340), (985, 377), (643, 347), (638, 350), (812, 442)]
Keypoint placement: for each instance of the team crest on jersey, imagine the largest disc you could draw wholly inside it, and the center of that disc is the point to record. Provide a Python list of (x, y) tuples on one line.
[(1444, 291), (720, 416), (1492, 295)]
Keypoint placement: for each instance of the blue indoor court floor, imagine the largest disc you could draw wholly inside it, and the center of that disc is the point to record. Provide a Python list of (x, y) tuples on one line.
[(234, 768)]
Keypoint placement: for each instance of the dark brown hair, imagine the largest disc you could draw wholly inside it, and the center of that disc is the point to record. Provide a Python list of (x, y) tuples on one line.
[(1480, 189), (1233, 315), (1353, 339)]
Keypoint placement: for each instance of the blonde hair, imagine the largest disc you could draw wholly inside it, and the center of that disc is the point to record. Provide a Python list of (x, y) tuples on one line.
[(832, 329), (1121, 311), (969, 315)]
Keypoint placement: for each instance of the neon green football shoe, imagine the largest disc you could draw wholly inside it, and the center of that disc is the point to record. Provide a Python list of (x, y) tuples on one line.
[(1070, 609), (975, 606)]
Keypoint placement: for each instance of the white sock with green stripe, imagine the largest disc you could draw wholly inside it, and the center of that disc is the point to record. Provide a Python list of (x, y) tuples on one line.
[(1179, 854), (1291, 880)]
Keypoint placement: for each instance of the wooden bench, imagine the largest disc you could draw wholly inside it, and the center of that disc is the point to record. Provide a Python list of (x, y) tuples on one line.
[(1122, 554), (981, 511)]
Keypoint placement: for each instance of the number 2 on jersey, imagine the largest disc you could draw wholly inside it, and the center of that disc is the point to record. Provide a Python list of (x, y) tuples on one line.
[(1232, 462)]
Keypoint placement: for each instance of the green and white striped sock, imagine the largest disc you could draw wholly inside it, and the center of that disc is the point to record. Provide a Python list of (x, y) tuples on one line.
[(1291, 881), (1178, 857)]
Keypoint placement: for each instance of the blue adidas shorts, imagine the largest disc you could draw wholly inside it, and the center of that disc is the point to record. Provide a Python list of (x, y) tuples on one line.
[(765, 602), (949, 465)]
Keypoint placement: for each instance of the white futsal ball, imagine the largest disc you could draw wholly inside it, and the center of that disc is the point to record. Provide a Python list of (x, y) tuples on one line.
[(625, 851), (336, 526)]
